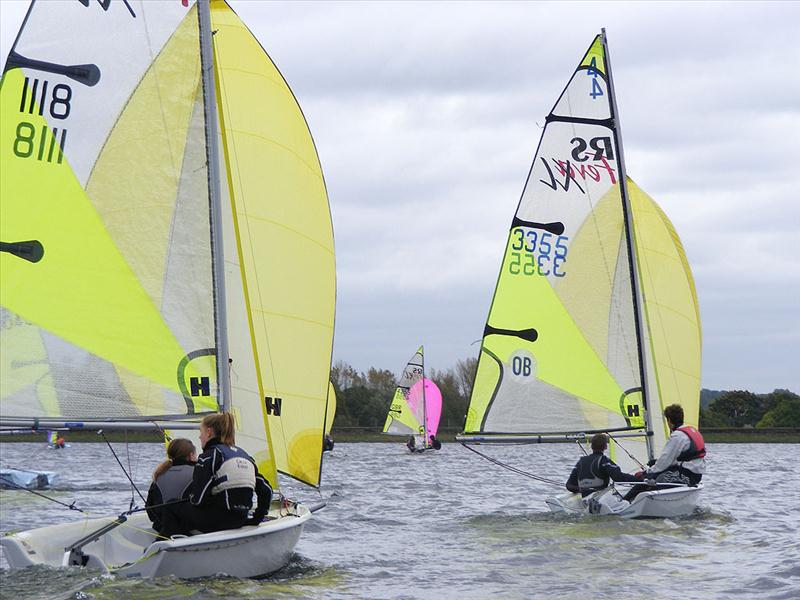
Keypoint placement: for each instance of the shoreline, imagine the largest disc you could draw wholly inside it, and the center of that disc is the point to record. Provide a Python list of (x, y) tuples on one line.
[(727, 435)]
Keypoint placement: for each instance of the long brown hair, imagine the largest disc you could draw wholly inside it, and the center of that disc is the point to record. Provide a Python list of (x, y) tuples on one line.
[(178, 449), (224, 427)]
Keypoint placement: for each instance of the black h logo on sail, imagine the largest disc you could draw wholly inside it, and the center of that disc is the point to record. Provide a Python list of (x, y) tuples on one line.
[(633, 410), (201, 386), (273, 406)]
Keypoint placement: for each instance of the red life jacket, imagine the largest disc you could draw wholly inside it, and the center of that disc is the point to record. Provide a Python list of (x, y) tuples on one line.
[(697, 447)]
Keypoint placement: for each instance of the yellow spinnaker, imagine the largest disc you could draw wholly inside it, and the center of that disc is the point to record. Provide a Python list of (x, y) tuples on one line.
[(671, 307), (285, 242)]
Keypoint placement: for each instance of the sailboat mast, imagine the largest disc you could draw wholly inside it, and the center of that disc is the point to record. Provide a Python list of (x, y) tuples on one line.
[(632, 263), (215, 212)]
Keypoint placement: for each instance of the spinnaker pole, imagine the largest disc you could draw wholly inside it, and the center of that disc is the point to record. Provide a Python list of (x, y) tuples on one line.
[(215, 208), (631, 244)]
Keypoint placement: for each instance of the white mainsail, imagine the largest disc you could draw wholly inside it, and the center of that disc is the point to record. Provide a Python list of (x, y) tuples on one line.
[(106, 209), (575, 341)]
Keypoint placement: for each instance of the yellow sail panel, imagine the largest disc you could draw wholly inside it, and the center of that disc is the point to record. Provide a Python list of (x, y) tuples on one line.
[(523, 375), (595, 57), (102, 307), (331, 411), (401, 420), (22, 381), (671, 307), (157, 212), (596, 295), (285, 242)]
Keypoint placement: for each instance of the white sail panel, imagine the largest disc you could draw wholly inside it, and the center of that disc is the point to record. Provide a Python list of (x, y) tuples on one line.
[(110, 48), (559, 351), (118, 245)]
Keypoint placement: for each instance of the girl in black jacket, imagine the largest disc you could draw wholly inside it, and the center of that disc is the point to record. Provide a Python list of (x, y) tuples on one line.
[(223, 482)]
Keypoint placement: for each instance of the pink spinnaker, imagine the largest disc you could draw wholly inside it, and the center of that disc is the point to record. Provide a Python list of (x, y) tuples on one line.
[(433, 403)]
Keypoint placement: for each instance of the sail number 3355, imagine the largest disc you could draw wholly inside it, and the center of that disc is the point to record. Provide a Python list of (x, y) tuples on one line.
[(537, 253)]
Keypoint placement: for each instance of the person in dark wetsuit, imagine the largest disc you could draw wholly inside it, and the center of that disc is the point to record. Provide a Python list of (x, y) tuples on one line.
[(223, 482), (593, 472), (171, 481)]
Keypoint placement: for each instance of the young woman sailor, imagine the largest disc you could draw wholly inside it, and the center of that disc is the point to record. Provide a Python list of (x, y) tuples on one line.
[(223, 482), (171, 481)]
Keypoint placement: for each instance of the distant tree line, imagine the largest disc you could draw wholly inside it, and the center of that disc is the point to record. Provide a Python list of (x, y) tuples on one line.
[(363, 400), (740, 408)]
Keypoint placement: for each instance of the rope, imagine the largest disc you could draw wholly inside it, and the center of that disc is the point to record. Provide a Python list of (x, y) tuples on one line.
[(514, 469), (100, 431), (632, 457), (585, 453), (72, 506)]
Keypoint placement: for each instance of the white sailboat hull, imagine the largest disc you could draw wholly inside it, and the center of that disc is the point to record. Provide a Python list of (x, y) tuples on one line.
[(659, 503), (133, 549)]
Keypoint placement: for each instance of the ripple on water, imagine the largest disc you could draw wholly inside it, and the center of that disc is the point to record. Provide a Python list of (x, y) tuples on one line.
[(451, 525)]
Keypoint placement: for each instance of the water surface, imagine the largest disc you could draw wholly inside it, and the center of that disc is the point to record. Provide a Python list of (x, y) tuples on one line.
[(452, 525)]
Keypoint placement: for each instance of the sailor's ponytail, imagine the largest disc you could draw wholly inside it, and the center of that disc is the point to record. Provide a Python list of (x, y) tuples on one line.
[(224, 427), (178, 449)]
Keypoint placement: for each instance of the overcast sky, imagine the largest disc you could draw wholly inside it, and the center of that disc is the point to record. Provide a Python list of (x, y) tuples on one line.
[(426, 117)]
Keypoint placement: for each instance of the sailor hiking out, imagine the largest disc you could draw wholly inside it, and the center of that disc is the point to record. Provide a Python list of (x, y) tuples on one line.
[(593, 471)]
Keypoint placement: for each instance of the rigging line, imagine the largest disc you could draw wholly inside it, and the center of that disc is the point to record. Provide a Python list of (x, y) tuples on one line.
[(582, 448), (513, 469), (7, 481), (636, 460), (100, 432)]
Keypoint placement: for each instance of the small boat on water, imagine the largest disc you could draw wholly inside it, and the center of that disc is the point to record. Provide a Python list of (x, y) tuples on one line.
[(661, 500), (594, 325), (160, 181), (55, 441), (135, 550), (416, 407), (11, 479)]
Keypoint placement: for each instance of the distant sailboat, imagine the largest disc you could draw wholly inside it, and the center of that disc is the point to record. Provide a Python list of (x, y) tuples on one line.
[(162, 205), (594, 325), (56, 441), (416, 407)]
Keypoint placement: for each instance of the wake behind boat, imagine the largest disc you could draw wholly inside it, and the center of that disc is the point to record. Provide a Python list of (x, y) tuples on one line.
[(166, 249), (594, 326)]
